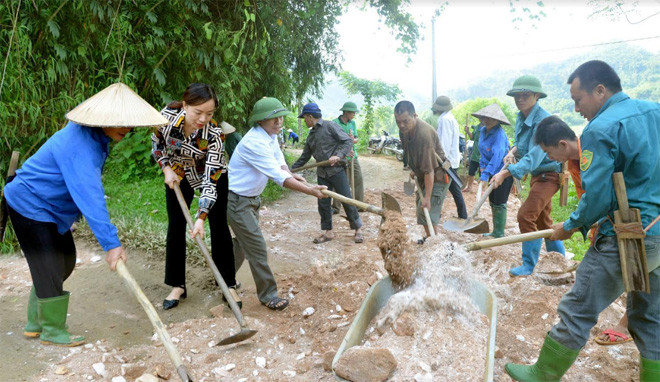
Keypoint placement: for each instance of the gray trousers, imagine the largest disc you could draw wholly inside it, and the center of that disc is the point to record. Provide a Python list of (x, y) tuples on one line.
[(339, 184), (358, 187), (243, 215), (598, 283)]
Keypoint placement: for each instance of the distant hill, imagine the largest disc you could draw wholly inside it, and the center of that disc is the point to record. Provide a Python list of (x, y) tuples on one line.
[(639, 71)]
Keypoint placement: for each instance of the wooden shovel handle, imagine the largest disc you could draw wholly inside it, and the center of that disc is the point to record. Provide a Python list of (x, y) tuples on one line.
[(311, 165), (209, 260), (429, 222), (153, 317), (544, 234), (353, 202), (481, 201)]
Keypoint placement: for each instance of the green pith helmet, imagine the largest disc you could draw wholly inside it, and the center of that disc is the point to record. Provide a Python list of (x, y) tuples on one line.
[(266, 108), (349, 106), (527, 84)]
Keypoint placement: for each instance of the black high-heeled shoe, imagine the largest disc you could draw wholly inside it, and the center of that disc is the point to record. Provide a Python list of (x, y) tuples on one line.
[(169, 304)]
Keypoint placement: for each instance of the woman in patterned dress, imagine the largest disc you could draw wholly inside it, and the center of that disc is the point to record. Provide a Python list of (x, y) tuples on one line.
[(189, 151)]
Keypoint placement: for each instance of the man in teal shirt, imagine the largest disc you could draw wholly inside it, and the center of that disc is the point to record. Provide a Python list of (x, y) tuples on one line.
[(623, 135), (534, 214), (347, 123)]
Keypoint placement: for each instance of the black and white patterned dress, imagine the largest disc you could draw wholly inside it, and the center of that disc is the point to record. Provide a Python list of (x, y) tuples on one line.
[(199, 157)]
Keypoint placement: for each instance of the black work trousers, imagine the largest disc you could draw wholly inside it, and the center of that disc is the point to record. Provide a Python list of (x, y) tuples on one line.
[(222, 248), (457, 194), (50, 256)]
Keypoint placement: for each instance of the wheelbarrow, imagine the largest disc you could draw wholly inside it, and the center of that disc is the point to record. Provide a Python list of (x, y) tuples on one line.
[(377, 298)]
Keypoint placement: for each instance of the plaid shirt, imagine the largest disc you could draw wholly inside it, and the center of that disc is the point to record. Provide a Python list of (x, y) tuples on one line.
[(199, 157)]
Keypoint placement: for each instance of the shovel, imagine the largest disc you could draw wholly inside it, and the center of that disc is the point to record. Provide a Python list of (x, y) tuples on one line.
[(155, 321), (408, 187), (471, 224), (389, 203), (245, 332)]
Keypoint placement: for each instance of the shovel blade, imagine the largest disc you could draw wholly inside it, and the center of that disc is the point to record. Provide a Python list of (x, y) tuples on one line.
[(243, 335), (390, 203), (466, 225), (408, 187)]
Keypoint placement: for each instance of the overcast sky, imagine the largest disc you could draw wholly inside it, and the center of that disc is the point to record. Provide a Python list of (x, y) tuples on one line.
[(477, 37)]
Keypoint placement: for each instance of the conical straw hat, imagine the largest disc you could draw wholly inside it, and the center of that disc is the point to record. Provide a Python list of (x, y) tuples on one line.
[(493, 111), (227, 128), (116, 106)]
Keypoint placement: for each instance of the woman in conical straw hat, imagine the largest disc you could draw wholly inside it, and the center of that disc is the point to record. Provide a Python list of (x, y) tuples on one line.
[(493, 146), (189, 150), (56, 185)]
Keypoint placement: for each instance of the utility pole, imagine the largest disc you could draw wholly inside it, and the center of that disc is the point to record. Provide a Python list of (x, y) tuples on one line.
[(434, 91)]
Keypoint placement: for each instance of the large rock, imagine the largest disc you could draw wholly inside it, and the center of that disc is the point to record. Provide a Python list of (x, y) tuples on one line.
[(362, 364)]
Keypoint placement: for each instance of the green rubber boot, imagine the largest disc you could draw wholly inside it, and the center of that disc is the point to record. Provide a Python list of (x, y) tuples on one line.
[(649, 370), (32, 329), (52, 316), (499, 220), (554, 361)]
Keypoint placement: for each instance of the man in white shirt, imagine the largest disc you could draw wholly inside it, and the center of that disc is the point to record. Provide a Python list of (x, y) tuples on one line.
[(448, 133), (256, 159)]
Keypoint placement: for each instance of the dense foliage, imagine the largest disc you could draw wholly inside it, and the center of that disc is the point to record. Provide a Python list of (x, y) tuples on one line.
[(57, 53)]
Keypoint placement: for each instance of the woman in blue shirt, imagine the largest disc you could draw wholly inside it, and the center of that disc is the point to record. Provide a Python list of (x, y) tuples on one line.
[(493, 146), (54, 187)]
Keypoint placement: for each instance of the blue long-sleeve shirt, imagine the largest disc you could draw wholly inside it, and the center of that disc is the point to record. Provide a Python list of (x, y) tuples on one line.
[(63, 180), (531, 158), (493, 147), (623, 137)]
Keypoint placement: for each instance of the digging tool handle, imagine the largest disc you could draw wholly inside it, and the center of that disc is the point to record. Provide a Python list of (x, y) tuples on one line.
[(202, 246), (544, 234), (353, 202), (4, 212), (155, 320), (317, 164), (481, 201), (429, 222), (467, 127)]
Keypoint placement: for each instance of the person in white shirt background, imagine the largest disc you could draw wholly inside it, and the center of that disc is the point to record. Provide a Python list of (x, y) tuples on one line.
[(448, 133)]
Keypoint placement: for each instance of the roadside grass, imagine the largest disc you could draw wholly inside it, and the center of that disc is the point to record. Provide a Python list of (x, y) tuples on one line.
[(137, 209)]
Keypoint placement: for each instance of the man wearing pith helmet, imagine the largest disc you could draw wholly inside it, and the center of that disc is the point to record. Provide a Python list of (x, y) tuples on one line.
[(256, 159), (526, 157), (328, 142), (347, 123), (58, 184)]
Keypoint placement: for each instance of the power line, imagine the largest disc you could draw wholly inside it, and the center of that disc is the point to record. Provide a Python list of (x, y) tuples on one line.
[(585, 46)]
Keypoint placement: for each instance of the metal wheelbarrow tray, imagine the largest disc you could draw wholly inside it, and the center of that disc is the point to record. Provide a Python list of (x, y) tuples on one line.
[(377, 298)]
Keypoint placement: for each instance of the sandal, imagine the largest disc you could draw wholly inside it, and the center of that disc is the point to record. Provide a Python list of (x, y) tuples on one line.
[(277, 303), (613, 338), (321, 239), (421, 241), (358, 238)]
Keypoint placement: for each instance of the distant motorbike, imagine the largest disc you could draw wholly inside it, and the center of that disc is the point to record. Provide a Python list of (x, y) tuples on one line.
[(386, 144)]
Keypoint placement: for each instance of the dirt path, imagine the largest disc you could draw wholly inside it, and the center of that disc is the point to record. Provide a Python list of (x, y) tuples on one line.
[(331, 276)]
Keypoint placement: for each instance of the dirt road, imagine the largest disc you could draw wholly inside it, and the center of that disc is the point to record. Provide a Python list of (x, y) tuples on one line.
[(330, 276)]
